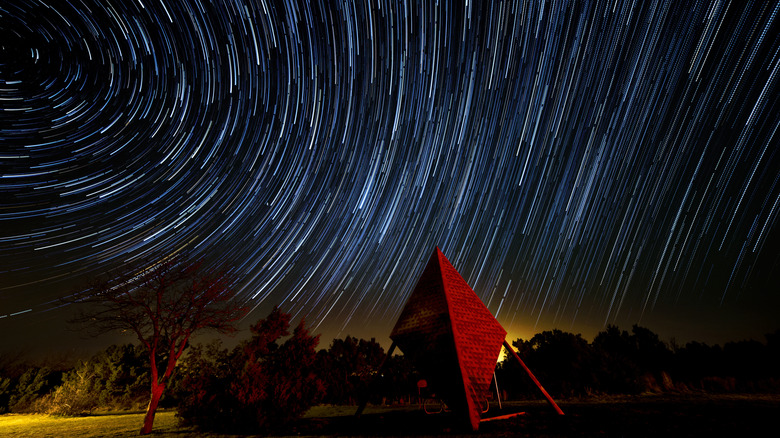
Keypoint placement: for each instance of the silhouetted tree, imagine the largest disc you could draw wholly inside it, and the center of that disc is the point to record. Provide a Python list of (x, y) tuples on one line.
[(398, 380), (347, 368), (163, 305), (562, 361), (652, 354), (617, 367), (627, 362), (700, 365), (773, 352), (746, 361)]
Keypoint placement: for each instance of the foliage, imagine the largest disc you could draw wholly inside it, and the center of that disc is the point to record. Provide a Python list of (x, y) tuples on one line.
[(616, 362), (397, 382), (265, 382), (560, 360), (35, 383), (617, 367), (116, 378), (744, 366), (11, 368), (260, 386), (5, 393), (619, 362), (348, 367)]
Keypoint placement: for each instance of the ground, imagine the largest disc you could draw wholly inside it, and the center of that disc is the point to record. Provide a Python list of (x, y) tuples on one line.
[(641, 416)]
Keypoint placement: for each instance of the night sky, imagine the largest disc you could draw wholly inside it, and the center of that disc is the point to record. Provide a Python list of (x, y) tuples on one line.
[(579, 163)]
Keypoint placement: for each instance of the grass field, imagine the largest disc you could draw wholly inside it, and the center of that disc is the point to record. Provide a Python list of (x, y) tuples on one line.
[(119, 425), (645, 416)]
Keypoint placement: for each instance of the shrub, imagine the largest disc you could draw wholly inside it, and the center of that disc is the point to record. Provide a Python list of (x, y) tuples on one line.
[(562, 362), (116, 378), (33, 384), (348, 367), (77, 394), (260, 386), (6, 385)]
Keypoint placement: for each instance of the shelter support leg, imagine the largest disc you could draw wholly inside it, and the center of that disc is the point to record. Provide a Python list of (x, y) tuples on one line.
[(531, 375)]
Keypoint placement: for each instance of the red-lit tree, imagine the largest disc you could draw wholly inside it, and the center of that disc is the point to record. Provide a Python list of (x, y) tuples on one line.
[(163, 305)]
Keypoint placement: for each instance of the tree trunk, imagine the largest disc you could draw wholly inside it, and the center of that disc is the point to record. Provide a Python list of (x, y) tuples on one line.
[(157, 390)]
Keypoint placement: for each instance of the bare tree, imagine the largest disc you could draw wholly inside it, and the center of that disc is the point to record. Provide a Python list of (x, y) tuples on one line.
[(163, 305)]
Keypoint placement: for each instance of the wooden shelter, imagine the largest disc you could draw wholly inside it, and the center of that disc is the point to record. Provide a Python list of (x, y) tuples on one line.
[(452, 339)]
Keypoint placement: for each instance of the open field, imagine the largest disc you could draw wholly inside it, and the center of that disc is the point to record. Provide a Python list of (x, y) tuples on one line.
[(119, 425), (643, 416)]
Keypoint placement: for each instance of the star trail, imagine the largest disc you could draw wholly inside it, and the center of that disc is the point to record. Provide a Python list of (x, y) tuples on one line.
[(580, 163)]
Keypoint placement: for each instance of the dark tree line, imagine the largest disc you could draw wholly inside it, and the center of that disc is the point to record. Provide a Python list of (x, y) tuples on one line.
[(277, 374), (622, 362), (352, 369), (113, 379)]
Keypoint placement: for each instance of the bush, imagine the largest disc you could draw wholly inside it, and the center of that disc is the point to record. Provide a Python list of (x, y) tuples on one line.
[(561, 361), (117, 378), (348, 367), (618, 370), (5, 393), (260, 386), (35, 383)]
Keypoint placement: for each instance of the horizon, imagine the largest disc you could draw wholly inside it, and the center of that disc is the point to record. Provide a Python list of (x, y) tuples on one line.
[(81, 346)]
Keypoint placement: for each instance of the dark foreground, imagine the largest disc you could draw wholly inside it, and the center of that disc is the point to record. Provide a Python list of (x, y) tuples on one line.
[(643, 416)]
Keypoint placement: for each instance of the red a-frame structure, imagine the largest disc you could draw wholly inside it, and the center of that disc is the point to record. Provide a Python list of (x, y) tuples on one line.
[(453, 339)]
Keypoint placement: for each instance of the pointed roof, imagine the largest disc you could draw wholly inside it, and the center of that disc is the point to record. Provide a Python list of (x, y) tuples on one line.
[(451, 336)]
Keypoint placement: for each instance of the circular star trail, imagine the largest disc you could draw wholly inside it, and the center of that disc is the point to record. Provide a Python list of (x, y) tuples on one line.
[(580, 163)]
